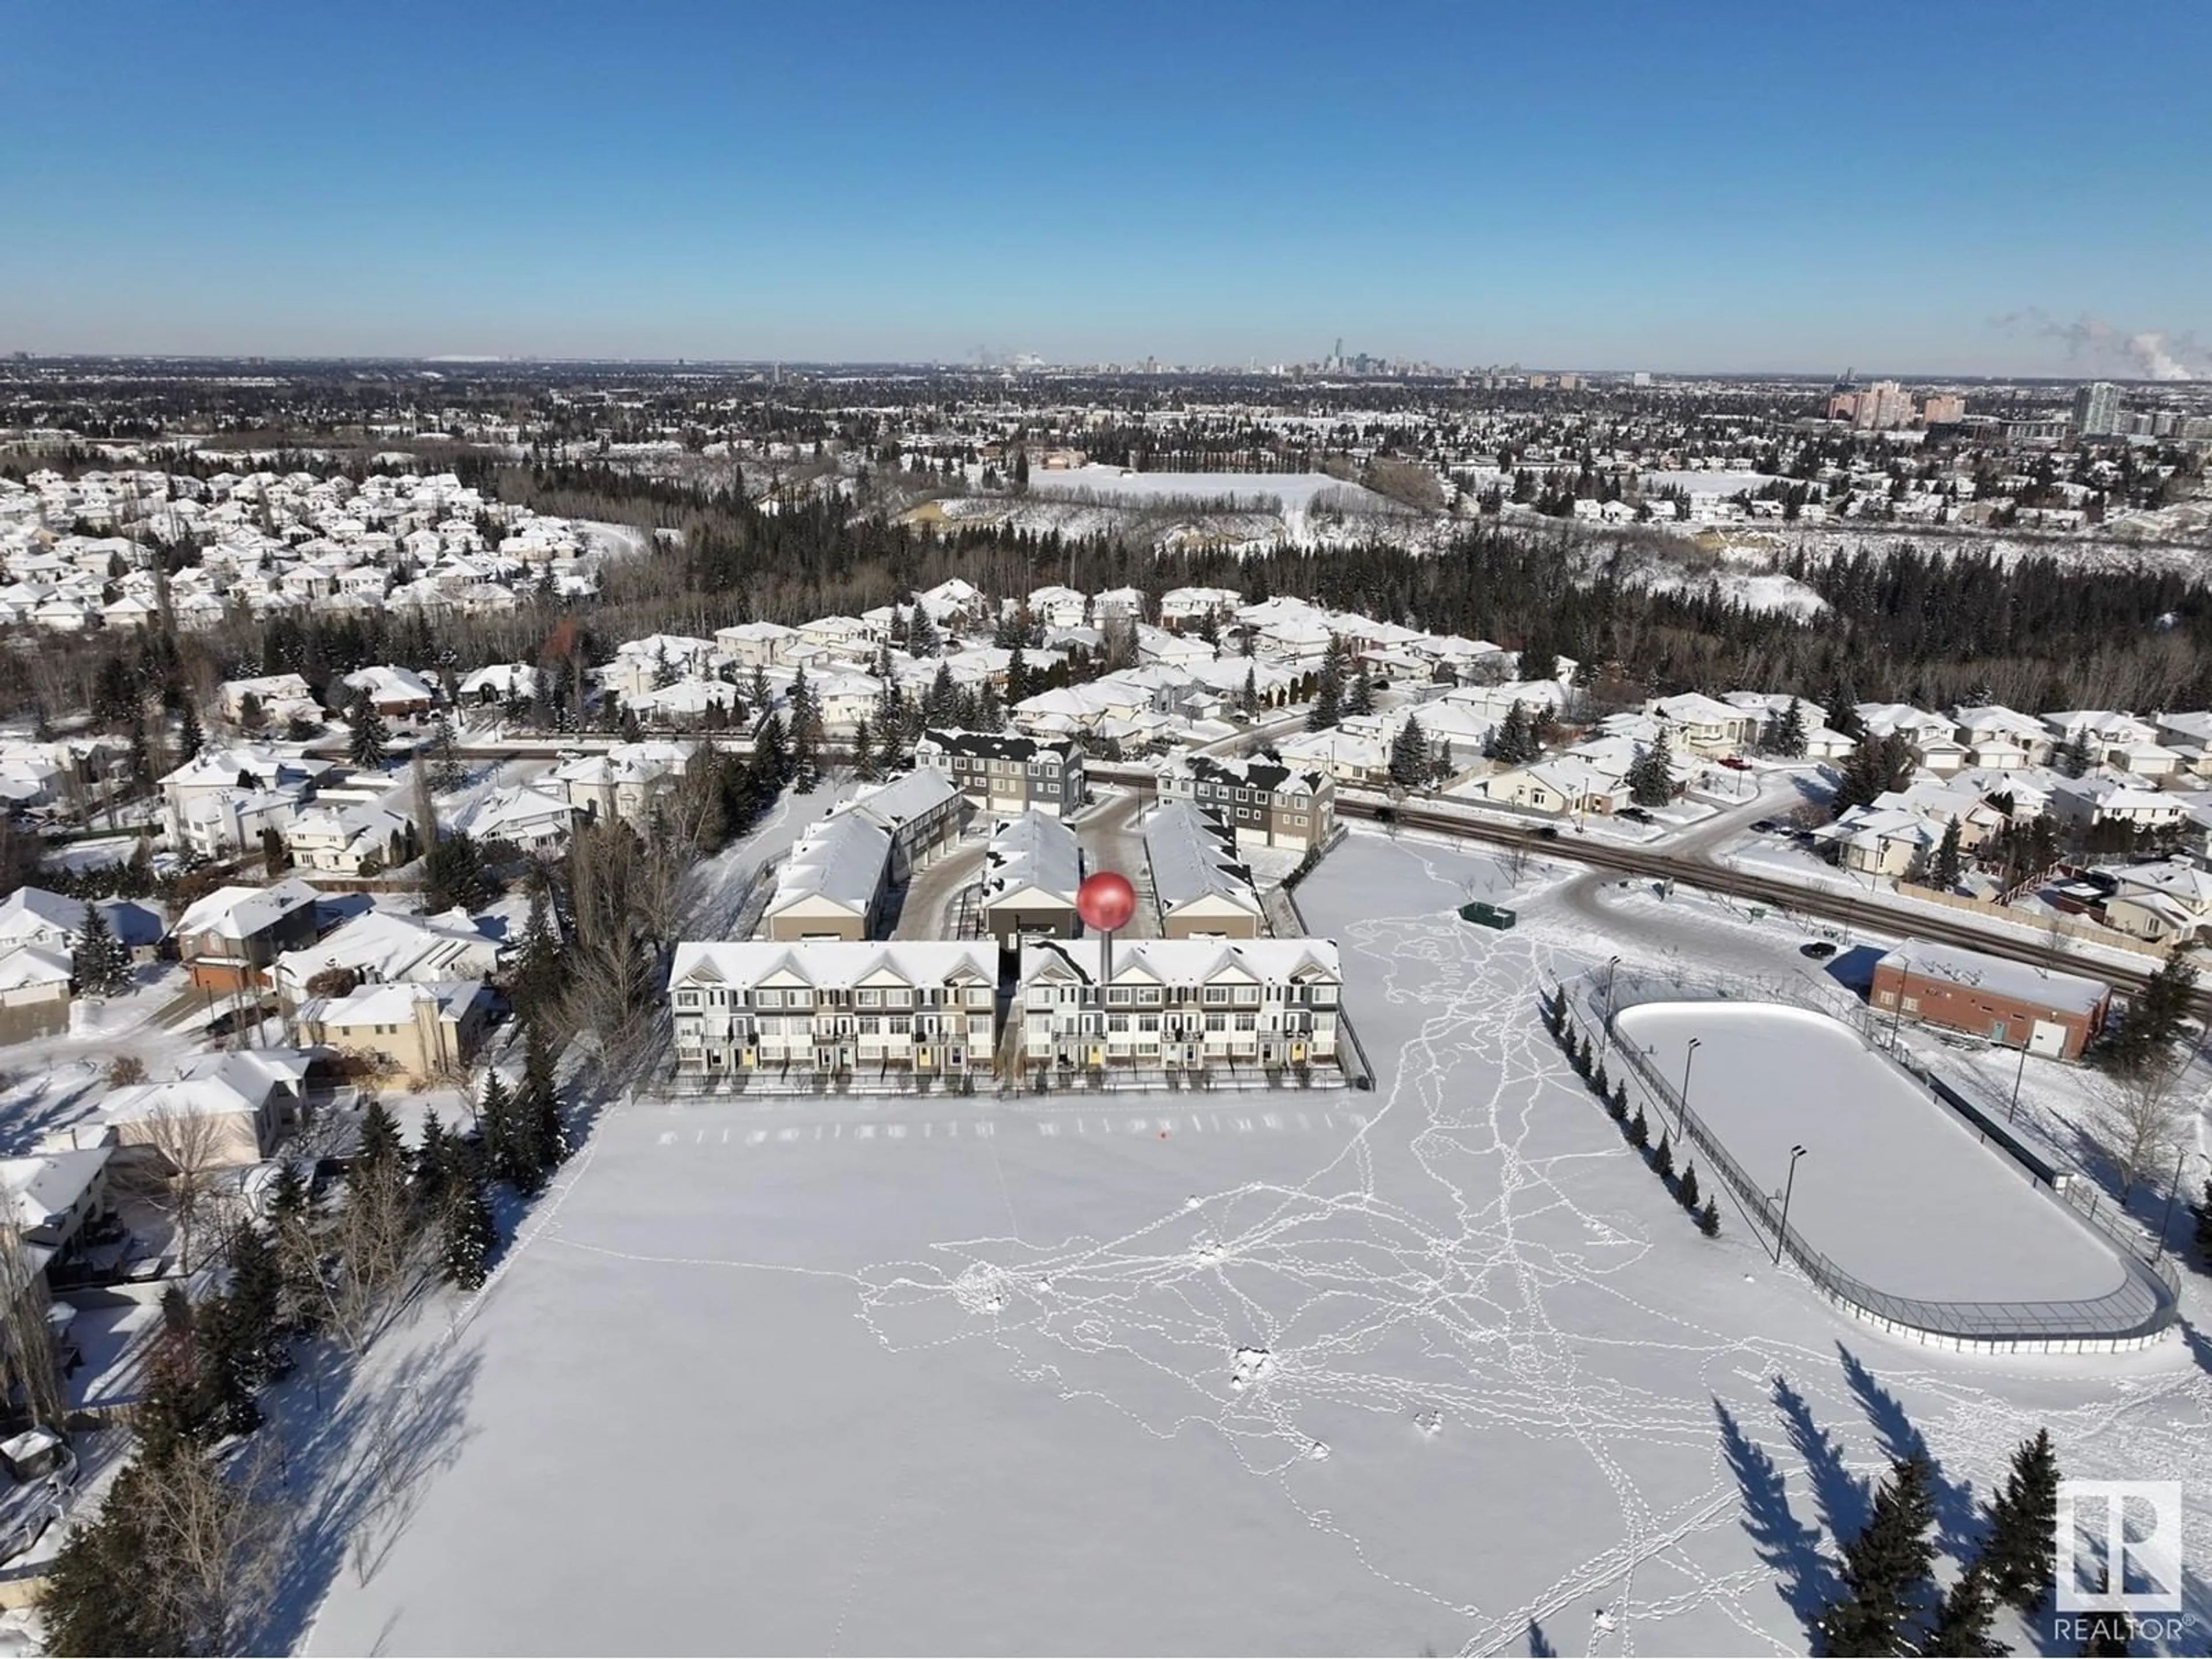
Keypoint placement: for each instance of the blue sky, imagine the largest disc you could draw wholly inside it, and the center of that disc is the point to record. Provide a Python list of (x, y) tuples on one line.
[(1728, 186)]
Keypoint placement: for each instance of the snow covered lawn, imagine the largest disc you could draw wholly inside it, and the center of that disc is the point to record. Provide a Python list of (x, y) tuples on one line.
[(950, 1377), (1893, 1188)]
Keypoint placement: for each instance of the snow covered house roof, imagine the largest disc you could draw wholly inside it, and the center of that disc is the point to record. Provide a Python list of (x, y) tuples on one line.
[(32, 915), (29, 965), (242, 912), (1186, 960)]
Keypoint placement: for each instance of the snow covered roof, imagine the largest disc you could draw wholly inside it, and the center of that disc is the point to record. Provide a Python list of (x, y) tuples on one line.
[(242, 912), (1186, 960), (394, 1005), (41, 1191), (32, 913), (835, 962), (842, 860), (34, 964), (1189, 854), (2014, 981), (1034, 850)]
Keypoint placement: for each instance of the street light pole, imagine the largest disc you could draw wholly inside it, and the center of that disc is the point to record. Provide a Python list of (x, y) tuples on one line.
[(1605, 1044), (1682, 1103), (1788, 1187), (2016, 1077)]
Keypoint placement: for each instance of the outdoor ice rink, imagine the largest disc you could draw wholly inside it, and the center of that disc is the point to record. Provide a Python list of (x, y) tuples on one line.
[(1893, 1188)]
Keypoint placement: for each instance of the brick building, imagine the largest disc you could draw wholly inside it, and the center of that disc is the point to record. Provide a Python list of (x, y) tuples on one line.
[(2007, 1002)]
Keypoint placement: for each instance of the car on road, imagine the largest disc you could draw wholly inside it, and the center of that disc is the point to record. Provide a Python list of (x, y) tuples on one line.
[(1636, 815), (1767, 826), (1819, 950), (1549, 831), (1735, 763)]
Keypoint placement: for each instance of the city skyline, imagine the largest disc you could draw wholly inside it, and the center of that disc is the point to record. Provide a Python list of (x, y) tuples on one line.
[(1565, 192)]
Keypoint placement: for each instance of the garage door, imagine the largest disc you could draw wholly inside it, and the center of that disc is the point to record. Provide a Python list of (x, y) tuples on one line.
[(2047, 1039)]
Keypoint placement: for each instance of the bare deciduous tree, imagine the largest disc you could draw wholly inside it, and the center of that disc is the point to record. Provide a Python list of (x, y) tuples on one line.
[(170, 1160), (213, 1535), (2143, 1118)]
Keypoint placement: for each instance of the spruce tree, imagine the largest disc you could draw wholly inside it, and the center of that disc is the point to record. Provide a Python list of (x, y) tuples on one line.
[(2017, 1553), (1944, 868), (538, 1104), (1663, 1159), (1409, 755), (1686, 1189), (190, 738), (1328, 695), (446, 772), (1639, 1130), (365, 745), (1600, 1083), (466, 1234), (1787, 735), (99, 962), (507, 1144), (1618, 1103), (864, 753), (1360, 699), (1961, 1624), (1651, 778), (379, 1146), (538, 974), (1709, 1219), (255, 1300), (433, 1160), (1886, 1568)]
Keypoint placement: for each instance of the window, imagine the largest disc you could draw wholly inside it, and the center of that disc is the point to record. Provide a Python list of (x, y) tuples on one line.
[(1248, 1022), (1217, 994), (768, 998), (871, 999), (1248, 996), (1120, 996), (1217, 1022), (687, 999)]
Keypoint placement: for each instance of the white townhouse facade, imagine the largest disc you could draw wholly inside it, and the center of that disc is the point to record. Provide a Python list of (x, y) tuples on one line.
[(1186, 1004), (820, 1009)]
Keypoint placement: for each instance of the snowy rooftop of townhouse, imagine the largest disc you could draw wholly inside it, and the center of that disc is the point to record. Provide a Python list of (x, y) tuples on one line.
[(2014, 981), (1032, 850), (1186, 960), (1190, 858), (834, 961)]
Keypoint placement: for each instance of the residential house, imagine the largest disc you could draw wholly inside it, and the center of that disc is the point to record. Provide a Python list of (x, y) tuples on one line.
[(1264, 802), (229, 939), (530, 820), (275, 699), (243, 1102), (1568, 785), (1706, 725), (2167, 903), (34, 991), (1030, 872), (348, 840), (756, 644), (1186, 1003), (384, 947), (2101, 798), (419, 1032), (817, 1011), (51, 1199), (394, 693), (625, 782), (2002, 739), (1890, 841), (1004, 775), (1203, 890)]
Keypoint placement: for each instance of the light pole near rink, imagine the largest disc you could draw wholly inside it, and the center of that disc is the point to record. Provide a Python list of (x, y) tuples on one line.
[(1682, 1101), (1782, 1230)]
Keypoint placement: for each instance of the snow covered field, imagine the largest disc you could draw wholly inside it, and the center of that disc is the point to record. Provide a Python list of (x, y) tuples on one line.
[(1293, 492), (1958, 1223), (1417, 1369)]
